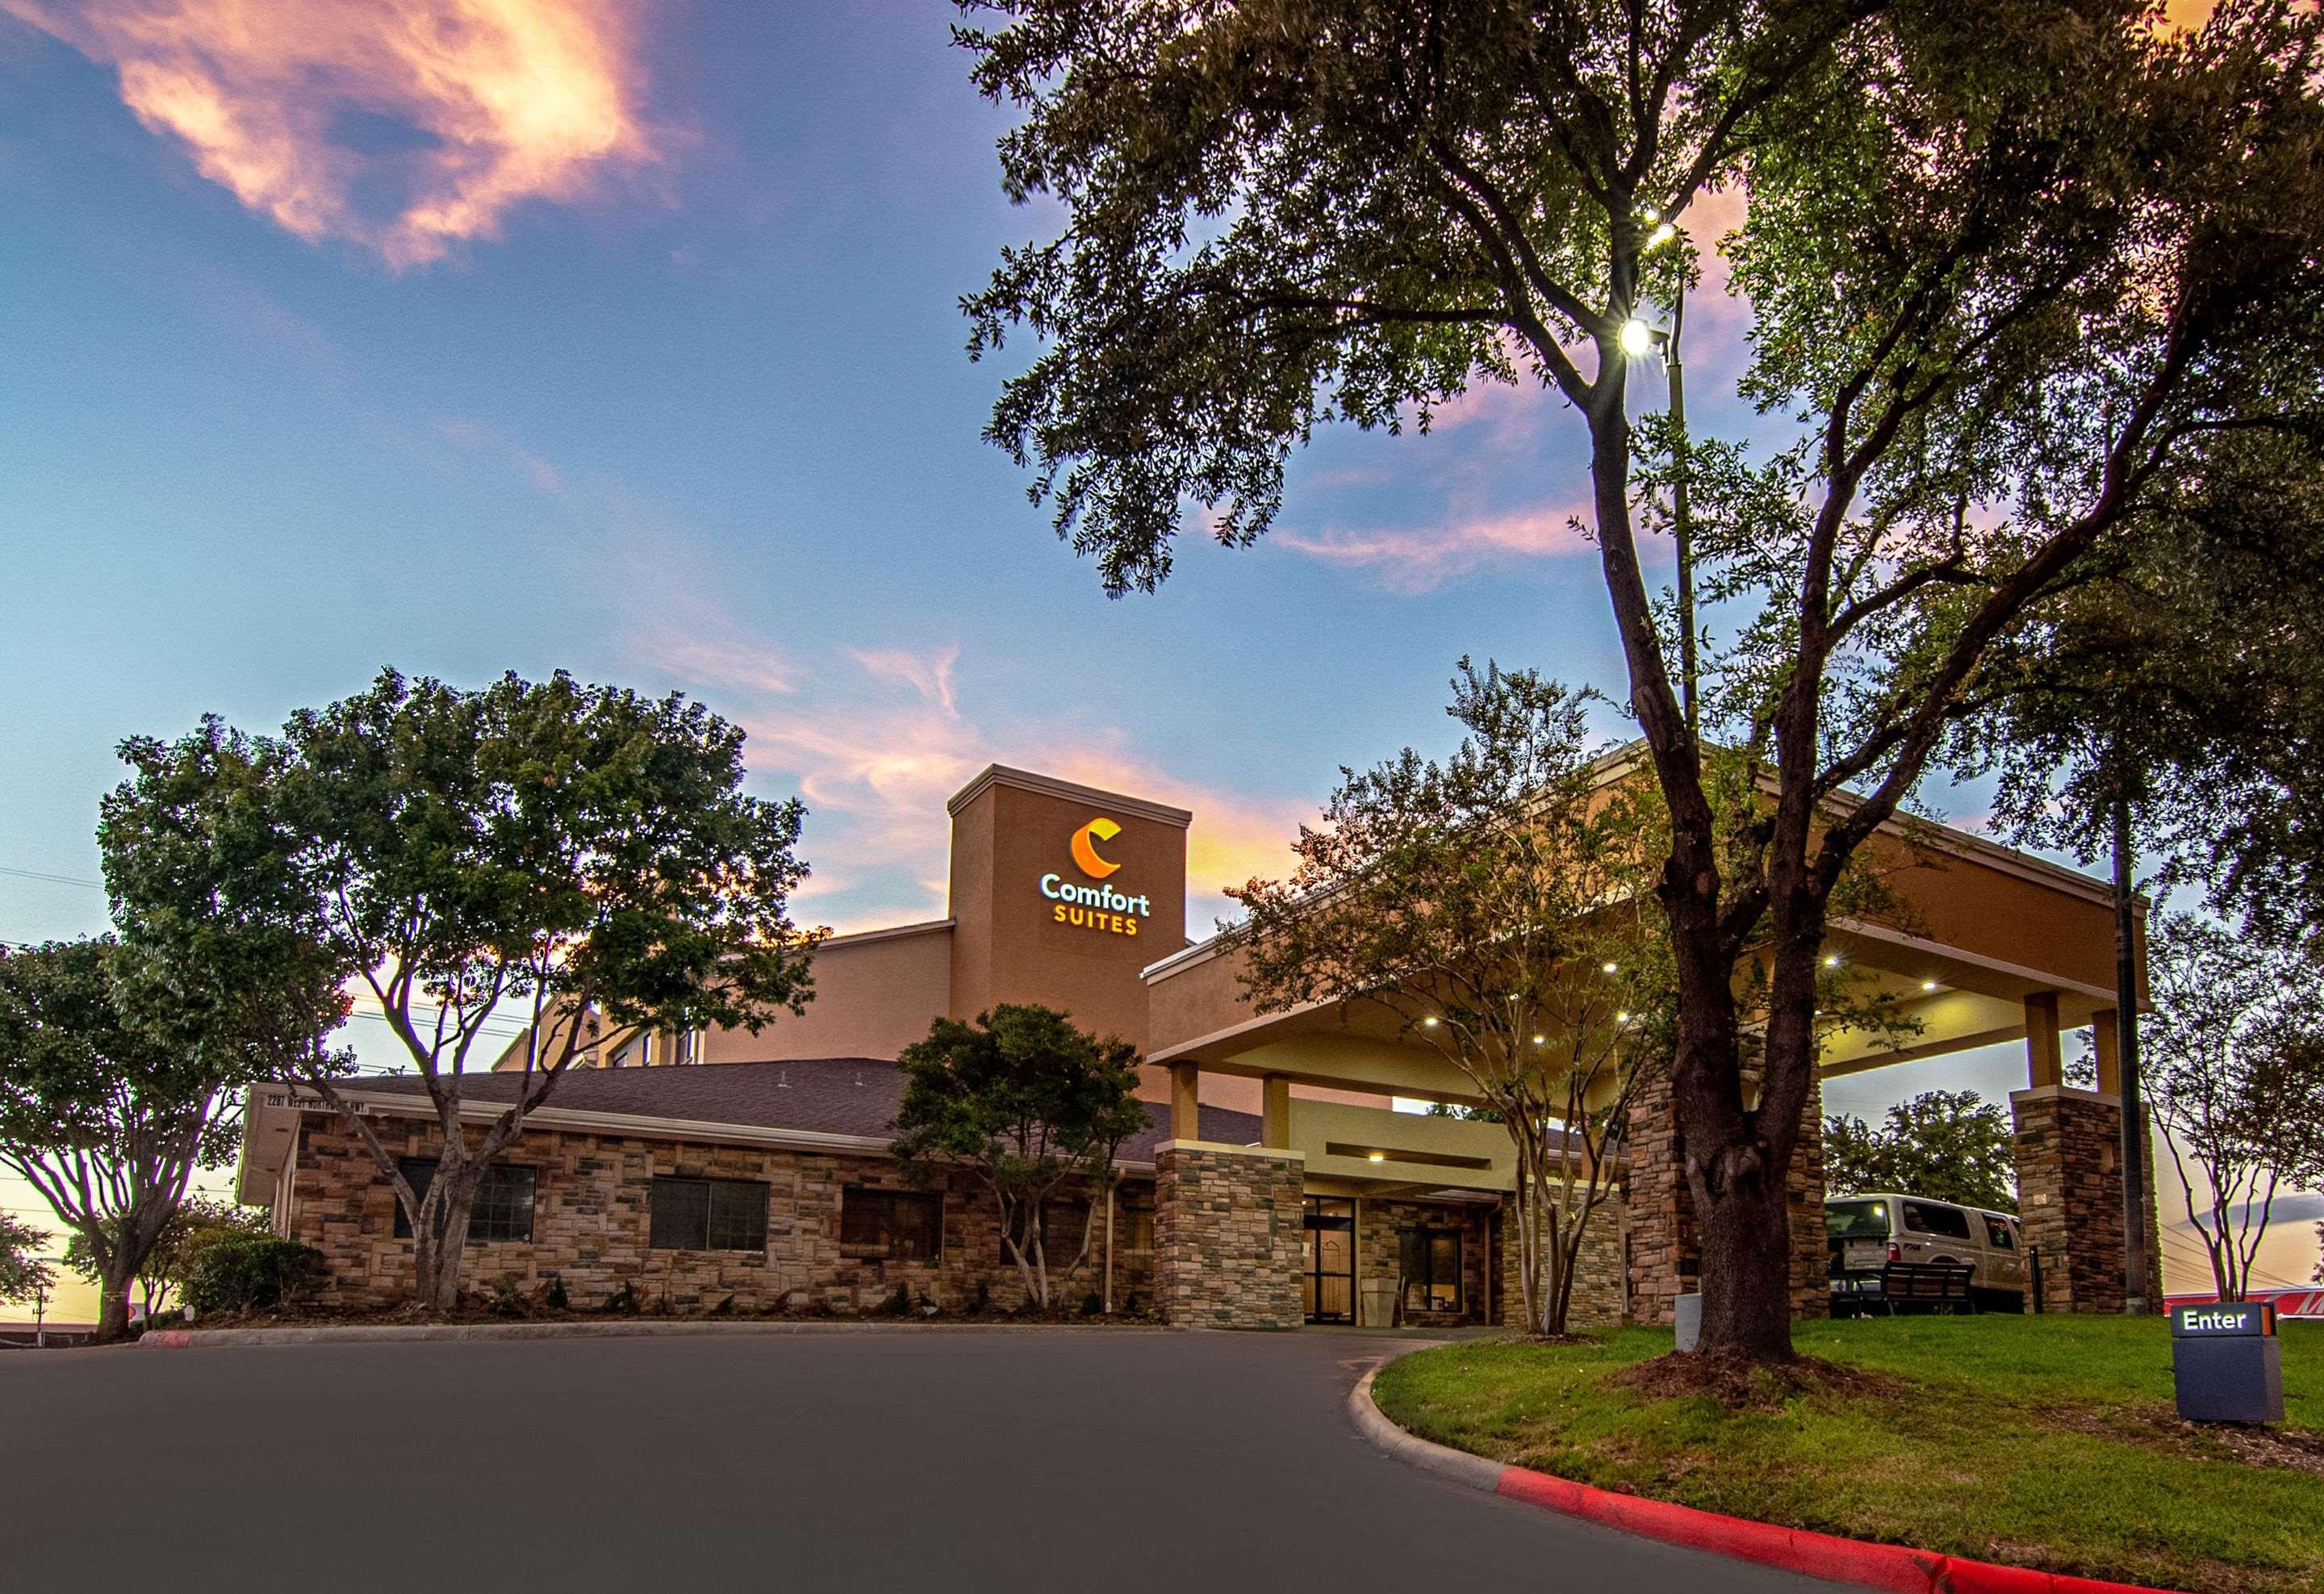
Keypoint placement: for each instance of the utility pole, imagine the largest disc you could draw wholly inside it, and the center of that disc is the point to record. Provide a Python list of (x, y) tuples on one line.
[(2134, 1303)]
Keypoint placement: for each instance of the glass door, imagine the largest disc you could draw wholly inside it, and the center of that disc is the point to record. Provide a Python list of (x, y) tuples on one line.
[(1330, 1278)]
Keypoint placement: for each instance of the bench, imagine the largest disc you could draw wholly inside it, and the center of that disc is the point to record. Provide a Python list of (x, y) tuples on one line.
[(1937, 1285)]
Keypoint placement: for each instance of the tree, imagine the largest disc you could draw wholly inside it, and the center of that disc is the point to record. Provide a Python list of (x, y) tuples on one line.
[(2236, 1084), (582, 853), (1946, 1145), (106, 1111), (25, 1275), (1027, 1105), (1496, 906), (198, 1223), (2012, 267)]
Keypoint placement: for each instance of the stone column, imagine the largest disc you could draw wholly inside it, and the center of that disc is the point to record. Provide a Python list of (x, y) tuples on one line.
[(1804, 1203), (1228, 1233), (1665, 1257), (2069, 1193)]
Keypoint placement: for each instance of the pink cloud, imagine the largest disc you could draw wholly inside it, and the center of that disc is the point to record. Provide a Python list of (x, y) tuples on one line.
[(475, 106), (1422, 559), (875, 750), (476, 435)]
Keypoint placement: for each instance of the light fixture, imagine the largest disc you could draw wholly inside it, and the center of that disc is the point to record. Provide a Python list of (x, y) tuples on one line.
[(1429, 1022), (1637, 338), (1651, 214), (1831, 960), (1378, 1156), (1928, 984), (1661, 235), (1613, 968), (1541, 1040), (1621, 1018)]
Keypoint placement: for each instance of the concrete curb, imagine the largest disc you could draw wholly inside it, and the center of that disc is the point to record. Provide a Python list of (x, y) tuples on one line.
[(409, 1333), (1893, 1568)]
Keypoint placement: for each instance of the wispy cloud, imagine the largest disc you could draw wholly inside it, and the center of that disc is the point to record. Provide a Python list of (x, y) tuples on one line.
[(402, 125), (488, 440), (877, 742), (1419, 559)]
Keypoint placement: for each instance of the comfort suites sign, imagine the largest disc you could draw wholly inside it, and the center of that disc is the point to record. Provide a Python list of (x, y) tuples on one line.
[(1104, 908)]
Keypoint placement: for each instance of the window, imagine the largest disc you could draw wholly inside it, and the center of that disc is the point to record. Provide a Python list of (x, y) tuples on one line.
[(1998, 1234), (1926, 1217), (1062, 1222), (1133, 1230), (709, 1215), (901, 1225), (503, 1209), (1856, 1220), (1430, 1260)]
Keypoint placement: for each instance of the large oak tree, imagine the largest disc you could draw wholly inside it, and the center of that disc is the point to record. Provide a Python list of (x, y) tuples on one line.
[(2011, 263)]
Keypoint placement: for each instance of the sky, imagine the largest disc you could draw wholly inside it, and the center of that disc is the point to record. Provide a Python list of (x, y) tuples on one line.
[(473, 335)]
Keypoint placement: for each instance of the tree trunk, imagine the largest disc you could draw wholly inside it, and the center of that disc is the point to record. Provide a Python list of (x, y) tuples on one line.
[(440, 1235), (113, 1310)]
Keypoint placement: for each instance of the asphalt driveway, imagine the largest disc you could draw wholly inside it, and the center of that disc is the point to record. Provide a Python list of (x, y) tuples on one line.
[(1012, 1459)]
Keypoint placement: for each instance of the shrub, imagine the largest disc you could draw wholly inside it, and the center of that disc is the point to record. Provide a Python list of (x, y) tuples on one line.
[(1090, 1305), (625, 1299), (898, 1302), (555, 1299), (250, 1272)]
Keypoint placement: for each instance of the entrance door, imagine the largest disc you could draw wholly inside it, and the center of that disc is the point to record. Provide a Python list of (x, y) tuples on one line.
[(1330, 1278)]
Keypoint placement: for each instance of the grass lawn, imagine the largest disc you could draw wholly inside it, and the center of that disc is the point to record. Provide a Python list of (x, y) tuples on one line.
[(2044, 1441)]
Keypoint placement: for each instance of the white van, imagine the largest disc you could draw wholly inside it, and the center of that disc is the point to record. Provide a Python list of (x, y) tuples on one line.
[(1870, 1230)]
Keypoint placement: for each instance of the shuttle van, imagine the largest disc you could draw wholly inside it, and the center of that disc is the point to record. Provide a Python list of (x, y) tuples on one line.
[(1868, 1231)]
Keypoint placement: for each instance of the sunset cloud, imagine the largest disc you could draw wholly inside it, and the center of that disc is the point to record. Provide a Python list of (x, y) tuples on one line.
[(405, 126), (1421, 559), (877, 741)]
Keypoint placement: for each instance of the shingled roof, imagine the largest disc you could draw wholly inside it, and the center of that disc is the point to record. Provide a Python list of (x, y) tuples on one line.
[(825, 1095)]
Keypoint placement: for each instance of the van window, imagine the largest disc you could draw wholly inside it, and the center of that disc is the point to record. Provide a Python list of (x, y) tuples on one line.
[(1925, 1217), (1998, 1235), (1856, 1220)]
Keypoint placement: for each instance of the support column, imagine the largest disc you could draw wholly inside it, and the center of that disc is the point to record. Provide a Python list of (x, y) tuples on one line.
[(2044, 1064), (2069, 1193), (1228, 1233), (1275, 1113), (1185, 1101), (1803, 1209), (2106, 1046), (1665, 1255)]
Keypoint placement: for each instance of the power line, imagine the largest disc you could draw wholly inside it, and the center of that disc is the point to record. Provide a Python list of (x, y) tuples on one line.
[(61, 880)]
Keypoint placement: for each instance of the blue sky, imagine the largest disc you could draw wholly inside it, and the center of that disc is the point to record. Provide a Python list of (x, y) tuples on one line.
[(631, 348)]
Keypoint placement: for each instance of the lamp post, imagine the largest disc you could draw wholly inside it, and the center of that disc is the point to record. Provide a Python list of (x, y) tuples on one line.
[(1639, 340)]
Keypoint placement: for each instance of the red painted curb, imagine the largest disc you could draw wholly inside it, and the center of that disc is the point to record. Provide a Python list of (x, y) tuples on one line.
[(167, 1339), (1893, 1567)]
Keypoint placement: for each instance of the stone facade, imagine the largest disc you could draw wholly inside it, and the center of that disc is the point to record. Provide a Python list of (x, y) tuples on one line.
[(1380, 1226), (1228, 1234), (592, 1230), (1601, 1289), (1664, 1248), (2069, 1197)]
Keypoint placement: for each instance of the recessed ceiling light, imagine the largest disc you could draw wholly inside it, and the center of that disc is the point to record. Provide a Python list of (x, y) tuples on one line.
[(1613, 968), (1831, 960), (1928, 984), (1379, 1157)]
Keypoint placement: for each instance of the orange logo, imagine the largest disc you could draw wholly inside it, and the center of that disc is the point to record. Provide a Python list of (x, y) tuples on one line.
[(1085, 846)]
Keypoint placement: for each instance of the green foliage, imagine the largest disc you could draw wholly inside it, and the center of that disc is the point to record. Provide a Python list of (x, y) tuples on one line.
[(2015, 269), (199, 1221), (1946, 1145), (622, 1301), (899, 1302), (112, 1094), (252, 1273), (2233, 1076), (583, 853), (25, 1274), (1026, 1103), (554, 1297)]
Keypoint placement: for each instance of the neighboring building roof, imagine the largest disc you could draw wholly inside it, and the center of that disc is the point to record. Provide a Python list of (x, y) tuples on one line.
[(824, 1095)]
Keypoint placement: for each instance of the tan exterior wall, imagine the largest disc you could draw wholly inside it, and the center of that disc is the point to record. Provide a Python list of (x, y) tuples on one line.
[(873, 996), (592, 1226), (1014, 944)]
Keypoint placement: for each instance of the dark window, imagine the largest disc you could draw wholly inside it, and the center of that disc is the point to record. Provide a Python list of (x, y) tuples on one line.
[(1430, 1260), (1062, 1222), (902, 1225), (709, 1215), (503, 1209), (1998, 1234), (1926, 1217), (1856, 1220)]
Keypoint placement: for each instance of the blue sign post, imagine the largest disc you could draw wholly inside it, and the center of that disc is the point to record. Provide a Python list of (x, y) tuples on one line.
[(2226, 1362)]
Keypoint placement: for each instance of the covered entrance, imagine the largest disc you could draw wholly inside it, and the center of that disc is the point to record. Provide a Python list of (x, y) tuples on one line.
[(1329, 1281)]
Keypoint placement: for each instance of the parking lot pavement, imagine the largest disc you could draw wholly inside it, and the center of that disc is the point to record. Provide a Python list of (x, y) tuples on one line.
[(1016, 1459)]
